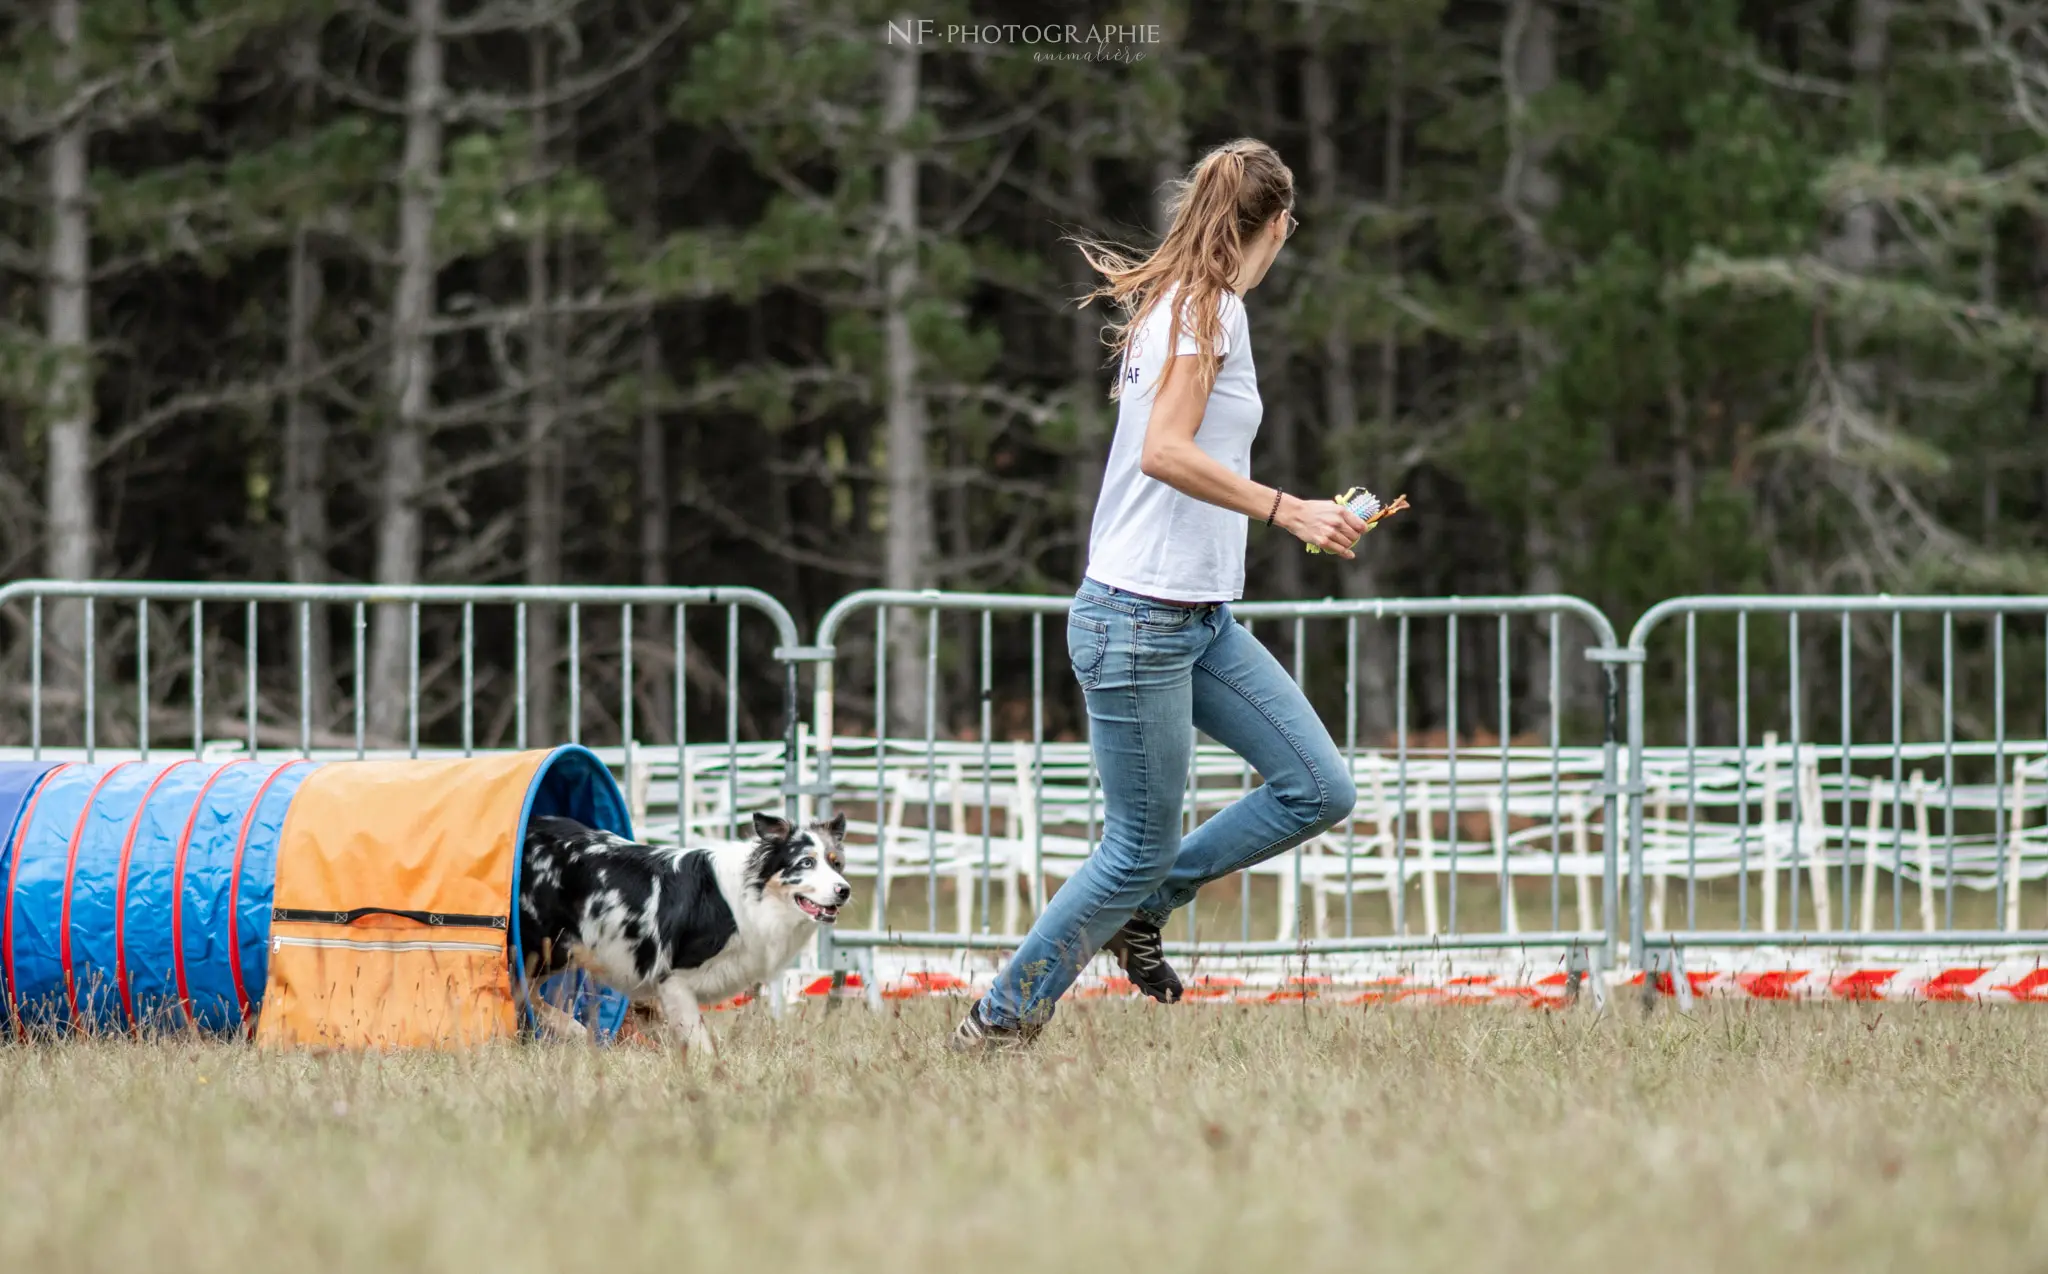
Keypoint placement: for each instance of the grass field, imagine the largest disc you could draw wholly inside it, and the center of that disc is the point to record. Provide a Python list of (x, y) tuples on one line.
[(1140, 1138)]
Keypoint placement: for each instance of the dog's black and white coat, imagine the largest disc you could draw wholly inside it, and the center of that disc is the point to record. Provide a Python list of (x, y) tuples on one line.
[(673, 929)]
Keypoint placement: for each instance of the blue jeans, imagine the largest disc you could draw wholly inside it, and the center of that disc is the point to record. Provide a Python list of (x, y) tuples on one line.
[(1153, 674)]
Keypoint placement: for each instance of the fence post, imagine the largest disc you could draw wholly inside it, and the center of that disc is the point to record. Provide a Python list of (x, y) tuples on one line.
[(1635, 811), (1607, 657), (1636, 654), (793, 785)]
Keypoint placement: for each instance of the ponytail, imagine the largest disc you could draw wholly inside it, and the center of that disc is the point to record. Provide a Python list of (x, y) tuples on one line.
[(1233, 191)]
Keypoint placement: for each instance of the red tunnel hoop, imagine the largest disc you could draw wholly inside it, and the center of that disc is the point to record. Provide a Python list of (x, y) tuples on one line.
[(235, 881), (70, 880), (121, 979), (7, 983), (184, 854)]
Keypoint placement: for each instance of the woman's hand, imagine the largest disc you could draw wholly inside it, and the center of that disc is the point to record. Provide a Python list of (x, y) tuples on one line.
[(1171, 456), (1324, 523)]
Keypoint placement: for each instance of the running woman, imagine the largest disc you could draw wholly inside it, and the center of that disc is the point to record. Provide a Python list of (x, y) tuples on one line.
[(1150, 633)]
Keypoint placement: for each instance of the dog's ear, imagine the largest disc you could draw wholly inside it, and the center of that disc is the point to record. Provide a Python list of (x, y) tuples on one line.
[(769, 827), (837, 827)]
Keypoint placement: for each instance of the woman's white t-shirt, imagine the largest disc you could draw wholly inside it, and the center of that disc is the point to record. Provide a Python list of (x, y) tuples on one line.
[(1148, 538)]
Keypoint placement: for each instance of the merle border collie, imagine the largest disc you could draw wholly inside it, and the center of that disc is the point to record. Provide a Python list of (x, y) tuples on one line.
[(674, 929)]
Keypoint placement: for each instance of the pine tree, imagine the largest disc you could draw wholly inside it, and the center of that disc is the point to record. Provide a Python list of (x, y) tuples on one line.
[(852, 226), (1907, 291), (81, 73)]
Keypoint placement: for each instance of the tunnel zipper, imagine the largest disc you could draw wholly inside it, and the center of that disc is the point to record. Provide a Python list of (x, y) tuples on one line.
[(279, 942)]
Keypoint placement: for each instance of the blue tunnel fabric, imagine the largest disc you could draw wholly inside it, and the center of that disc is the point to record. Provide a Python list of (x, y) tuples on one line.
[(243, 814), (19, 781), (573, 783), (125, 879), (36, 894), (139, 894), (87, 935)]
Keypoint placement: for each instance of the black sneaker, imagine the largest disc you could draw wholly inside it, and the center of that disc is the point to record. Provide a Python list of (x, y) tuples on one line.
[(976, 1036), (1142, 953)]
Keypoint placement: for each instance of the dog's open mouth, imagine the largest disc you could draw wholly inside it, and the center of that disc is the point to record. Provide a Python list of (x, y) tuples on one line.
[(818, 911)]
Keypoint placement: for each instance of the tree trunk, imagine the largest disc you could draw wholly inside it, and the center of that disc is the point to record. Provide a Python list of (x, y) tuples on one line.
[(652, 491), (1092, 420), (1092, 425), (653, 488), (1170, 153), (1394, 148), (1684, 471), (541, 565), (910, 544), (773, 508), (1857, 390), (1340, 398), (862, 451), (1283, 441), (1379, 653), (1282, 467), (68, 492), (1855, 248), (2039, 407), (1529, 69), (305, 466), (1530, 193), (1869, 50), (400, 531), (19, 531), (957, 541), (653, 496), (1357, 459)]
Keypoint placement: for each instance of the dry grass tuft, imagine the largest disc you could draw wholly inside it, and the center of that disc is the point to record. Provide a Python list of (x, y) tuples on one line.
[(1202, 1138)]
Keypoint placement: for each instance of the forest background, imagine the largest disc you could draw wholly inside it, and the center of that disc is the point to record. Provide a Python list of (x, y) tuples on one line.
[(1633, 298)]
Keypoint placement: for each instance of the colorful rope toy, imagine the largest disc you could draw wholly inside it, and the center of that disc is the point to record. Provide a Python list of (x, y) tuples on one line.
[(1366, 505)]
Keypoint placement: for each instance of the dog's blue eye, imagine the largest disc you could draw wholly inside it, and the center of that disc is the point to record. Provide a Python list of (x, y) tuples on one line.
[(805, 865)]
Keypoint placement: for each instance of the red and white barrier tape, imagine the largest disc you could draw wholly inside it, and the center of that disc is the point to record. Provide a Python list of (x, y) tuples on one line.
[(1991, 982), (2001, 980), (1550, 990)]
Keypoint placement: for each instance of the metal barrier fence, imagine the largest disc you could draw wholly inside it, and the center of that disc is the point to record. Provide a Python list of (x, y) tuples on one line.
[(1020, 810), (197, 660), (1825, 772), (1807, 837)]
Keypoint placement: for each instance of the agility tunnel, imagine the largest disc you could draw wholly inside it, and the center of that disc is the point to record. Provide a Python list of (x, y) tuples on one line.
[(355, 904)]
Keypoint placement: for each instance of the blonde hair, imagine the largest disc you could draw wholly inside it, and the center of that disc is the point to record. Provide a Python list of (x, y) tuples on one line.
[(1232, 193)]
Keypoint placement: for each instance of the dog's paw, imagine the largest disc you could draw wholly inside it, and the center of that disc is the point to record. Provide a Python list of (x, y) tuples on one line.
[(557, 1024)]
